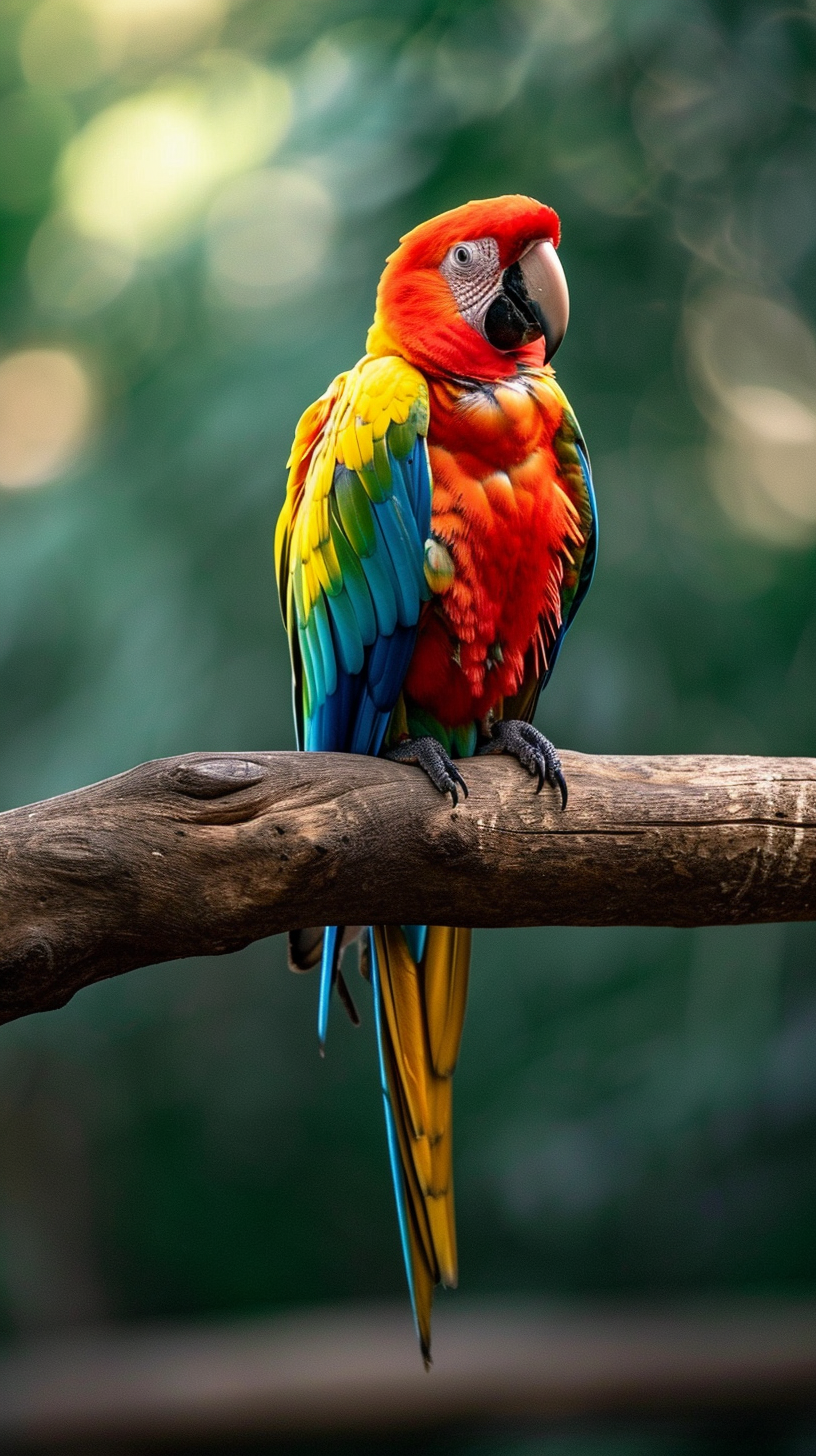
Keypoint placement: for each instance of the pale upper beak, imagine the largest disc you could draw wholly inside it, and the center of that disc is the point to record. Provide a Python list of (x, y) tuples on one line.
[(547, 291)]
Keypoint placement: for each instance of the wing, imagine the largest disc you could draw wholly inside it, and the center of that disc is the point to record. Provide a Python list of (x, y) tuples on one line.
[(349, 551), (575, 478)]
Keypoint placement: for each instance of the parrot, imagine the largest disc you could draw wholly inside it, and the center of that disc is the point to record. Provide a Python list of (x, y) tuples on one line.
[(438, 534)]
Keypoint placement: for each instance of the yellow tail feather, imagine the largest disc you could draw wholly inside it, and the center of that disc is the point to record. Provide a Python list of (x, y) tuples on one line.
[(423, 1013)]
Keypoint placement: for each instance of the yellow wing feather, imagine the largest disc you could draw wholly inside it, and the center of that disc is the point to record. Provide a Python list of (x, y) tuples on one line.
[(348, 426), (343, 427)]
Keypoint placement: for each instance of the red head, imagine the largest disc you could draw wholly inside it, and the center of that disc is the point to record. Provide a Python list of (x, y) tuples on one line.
[(475, 292)]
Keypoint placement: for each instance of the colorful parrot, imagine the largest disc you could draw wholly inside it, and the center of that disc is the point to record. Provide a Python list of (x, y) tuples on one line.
[(437, 538)]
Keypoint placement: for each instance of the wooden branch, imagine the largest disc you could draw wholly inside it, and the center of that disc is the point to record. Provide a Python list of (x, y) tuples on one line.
[(205, 853), (353, 1372)]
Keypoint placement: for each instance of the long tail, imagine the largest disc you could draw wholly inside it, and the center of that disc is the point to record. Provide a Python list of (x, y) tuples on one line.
[(420, 990)]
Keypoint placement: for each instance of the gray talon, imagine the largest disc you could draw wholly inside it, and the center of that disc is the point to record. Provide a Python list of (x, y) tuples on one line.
[(430, 756), (533, 751)]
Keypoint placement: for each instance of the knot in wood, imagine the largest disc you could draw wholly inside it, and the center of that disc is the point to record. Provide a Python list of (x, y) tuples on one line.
[(32, 960), (214, 778)]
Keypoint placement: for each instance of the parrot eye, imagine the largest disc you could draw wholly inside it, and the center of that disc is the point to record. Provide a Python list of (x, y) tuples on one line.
[(473, 275), (463, 254)]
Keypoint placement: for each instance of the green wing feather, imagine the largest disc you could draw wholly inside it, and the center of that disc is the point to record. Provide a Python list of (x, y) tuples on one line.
[(349, 551)]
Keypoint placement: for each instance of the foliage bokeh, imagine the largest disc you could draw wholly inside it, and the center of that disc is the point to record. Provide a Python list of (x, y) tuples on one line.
[(197, 199)]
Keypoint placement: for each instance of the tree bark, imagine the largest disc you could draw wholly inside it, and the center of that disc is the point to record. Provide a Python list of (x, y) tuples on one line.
[(204, 853)]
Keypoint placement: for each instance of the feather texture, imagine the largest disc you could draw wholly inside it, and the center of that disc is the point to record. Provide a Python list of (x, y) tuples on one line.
[(438, 536), (420, 1016), (349, 552)]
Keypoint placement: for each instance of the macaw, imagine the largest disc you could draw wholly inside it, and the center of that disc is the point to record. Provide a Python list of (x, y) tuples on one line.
[(437, 538)]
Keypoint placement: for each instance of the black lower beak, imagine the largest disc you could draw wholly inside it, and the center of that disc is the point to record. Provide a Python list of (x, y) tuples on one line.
[(533, 302), (513, 319)]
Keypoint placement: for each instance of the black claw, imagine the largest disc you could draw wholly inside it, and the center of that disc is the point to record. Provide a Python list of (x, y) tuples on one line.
[(430, 756), (346, 999), (458, 779), (533, 751)]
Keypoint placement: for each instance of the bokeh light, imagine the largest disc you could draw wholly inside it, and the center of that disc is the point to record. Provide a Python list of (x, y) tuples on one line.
[(152, 30), (68, 45), (142, 169), (72, 274), (196, 199), (756, 363), (60, 46), (45, 415), (267, 235)]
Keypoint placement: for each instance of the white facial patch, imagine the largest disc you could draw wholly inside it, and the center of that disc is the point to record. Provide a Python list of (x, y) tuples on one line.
[(473, 273)]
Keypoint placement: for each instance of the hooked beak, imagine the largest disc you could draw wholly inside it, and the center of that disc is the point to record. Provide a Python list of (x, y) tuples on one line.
[(533, 301), (547, 292)]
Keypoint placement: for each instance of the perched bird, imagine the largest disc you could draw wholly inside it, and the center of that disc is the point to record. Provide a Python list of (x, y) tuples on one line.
[(438, 535)]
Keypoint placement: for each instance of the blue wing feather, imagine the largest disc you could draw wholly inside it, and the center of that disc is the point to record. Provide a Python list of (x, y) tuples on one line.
[(326, 654), (376, 569), (349, 651), (368, 667)]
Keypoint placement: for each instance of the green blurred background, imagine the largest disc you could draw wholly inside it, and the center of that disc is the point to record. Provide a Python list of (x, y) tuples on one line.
[(197, 199)]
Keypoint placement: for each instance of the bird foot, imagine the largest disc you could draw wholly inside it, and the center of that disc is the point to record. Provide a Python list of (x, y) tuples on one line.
[(533, 751), (431, 756)]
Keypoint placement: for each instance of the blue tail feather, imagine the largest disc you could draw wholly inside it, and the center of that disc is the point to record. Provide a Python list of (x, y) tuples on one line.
[(328, 969), (391, 1131), (416, 935)]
